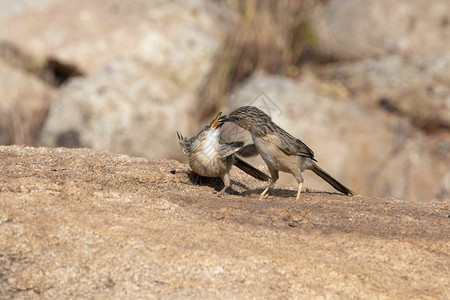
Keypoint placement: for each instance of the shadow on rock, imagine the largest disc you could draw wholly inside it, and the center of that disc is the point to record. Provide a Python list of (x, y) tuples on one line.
[(216, 183), (285, 193)]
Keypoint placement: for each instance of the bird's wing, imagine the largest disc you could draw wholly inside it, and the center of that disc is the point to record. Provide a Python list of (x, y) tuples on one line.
[(248, 151), (293, 146), (226, 149)]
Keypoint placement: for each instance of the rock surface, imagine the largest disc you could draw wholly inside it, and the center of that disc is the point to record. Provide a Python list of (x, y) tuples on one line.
[(90, 35), (370, 151), (129, 107), (412, 87), (349, 29), (81, 223), (143, 89)]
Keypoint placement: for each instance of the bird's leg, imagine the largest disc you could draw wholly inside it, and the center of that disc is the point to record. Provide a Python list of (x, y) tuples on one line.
[(273, 178), (263, 194), (299, 191), (227, 182), (298, 176)]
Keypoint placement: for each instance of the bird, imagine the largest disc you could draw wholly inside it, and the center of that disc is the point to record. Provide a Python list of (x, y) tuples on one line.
[(210, 158), (280, 150)]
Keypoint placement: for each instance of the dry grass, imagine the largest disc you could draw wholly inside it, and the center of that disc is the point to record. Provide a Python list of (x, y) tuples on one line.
[(23, 118), (26, 120), (270, 36)]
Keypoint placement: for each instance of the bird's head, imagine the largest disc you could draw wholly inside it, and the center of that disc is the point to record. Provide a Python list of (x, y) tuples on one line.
[(247, 117), (210, 134)]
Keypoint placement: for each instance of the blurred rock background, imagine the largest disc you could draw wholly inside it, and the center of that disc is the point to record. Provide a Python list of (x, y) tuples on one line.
[(365, 84)]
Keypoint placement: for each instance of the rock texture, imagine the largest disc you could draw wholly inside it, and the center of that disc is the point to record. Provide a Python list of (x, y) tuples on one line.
[(370, 151), (81, 223), (8, 8), (127, 108), (349, 29), (415, 88), (91, 34)]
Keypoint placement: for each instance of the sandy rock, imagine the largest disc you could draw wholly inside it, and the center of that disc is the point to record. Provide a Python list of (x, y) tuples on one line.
[(370, 151), (80, 223), (23, 106), (348, 29)]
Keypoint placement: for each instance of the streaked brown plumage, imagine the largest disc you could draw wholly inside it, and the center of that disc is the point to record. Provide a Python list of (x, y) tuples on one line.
[(280, 150), (210, 158)]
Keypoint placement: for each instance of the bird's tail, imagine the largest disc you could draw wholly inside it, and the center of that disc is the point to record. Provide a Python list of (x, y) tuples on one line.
[(250, 170), (333, 182), (183, 143)]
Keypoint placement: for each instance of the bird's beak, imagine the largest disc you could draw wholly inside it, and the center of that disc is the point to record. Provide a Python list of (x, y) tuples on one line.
[(224, 119), (216, 122)]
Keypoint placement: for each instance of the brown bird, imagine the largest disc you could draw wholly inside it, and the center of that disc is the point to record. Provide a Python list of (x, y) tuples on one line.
[(210, 158), (280, 150)]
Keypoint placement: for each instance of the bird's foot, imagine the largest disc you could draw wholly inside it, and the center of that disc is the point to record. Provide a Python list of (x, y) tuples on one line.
[(263, 195), (222, 192)]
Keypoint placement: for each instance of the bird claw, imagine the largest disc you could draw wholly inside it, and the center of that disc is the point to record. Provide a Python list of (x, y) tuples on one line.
[(221, 193), (262, 196)]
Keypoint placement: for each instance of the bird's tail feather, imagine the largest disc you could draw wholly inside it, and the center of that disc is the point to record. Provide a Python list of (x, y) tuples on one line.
[(333, 182), (250, 170)]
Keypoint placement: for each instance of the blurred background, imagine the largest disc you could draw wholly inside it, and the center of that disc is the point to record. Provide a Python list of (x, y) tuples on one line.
[(365, 84)]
